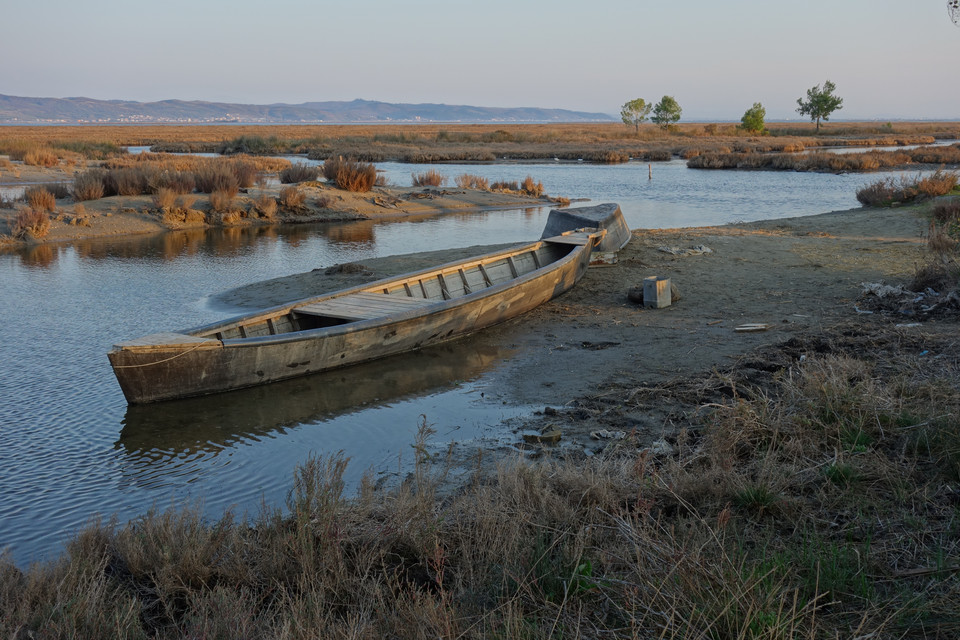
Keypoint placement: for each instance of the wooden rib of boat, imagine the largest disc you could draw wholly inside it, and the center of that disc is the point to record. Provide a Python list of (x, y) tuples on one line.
[(359, 324)]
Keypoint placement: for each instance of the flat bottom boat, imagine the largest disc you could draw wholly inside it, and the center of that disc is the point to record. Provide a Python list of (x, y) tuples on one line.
[(370, 321)]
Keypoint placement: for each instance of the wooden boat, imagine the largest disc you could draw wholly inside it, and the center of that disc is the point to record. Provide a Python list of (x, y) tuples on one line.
[(363, 323)]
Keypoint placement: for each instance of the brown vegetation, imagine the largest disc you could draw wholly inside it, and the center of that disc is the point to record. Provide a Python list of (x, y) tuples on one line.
[(891, 190), (836, 162), (482, 143), (292, 198), (299, 172), (431, 178), (31, 223), (469, 181), (40, 199), (817, 502), (531, 188), (350, 174)]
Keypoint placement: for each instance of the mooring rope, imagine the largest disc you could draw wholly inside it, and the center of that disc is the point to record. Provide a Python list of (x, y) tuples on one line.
[(150, 364)]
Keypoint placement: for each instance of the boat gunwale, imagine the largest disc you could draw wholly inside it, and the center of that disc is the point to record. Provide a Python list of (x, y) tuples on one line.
[(391, 318)]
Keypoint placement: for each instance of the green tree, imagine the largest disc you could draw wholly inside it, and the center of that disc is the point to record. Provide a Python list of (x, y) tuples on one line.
[(820, 103), (634, 112), (666, 112), (753, 118)]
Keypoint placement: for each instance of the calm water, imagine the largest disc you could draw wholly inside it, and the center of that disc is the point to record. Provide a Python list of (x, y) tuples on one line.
[(71, 448)]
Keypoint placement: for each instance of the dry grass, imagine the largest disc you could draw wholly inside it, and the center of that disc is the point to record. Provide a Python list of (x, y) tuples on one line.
[(31, 223), (893, 191), (299, 172), (265, 206), (431, 178), (531, 187), (221, 200), (90, 185), (815, 503), (292, 198), (470, 181), (479, 143), (835, 162), (40, 199), (350, 174)]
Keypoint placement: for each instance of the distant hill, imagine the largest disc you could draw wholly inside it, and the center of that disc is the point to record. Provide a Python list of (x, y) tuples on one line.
[(19, 110)]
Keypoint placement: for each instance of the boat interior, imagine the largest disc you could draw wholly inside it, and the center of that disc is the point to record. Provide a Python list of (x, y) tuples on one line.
[(403, 294)]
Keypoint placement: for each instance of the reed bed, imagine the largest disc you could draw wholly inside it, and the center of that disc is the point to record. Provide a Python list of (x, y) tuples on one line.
[(905, 189), (835, 162), (815, 503), (604, 143)]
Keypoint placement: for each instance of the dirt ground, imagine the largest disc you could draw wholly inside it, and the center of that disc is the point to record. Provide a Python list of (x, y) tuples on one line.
[(582, 356)]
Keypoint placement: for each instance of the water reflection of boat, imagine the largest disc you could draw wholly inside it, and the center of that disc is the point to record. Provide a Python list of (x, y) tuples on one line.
[(369, 321), (210, 424)]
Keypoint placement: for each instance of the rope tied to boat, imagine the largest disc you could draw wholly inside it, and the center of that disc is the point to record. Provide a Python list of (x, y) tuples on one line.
[(150, 364)]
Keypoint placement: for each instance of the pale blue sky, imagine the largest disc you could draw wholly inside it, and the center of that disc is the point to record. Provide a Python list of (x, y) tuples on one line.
[(888, 58)]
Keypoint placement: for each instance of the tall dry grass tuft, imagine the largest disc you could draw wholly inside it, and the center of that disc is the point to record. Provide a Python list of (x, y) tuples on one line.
[(890, 191), (221, 200), (350, 175), (299, 172), (41, 158), (531, 188), (31, 223), (40, 199), (431, 178), (469, 181), (265, 206), (89, 185), (164, 198), (216, 177), (292, 198)]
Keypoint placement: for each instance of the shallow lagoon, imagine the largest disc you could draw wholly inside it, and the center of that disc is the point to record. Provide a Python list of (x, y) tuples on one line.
[(71, 448)]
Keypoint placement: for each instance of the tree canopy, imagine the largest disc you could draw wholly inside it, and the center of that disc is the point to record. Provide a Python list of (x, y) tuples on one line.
[(666, 112), (635, 112), (820, 103), (753, 118)]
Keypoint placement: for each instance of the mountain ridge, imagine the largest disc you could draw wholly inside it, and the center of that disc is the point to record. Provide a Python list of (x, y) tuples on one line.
[(82, 110)]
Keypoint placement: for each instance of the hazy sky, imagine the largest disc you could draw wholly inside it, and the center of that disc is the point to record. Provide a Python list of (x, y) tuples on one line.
[(888, 58)]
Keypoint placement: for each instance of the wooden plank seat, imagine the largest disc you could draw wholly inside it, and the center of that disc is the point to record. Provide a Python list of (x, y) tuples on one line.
[(363, 306)]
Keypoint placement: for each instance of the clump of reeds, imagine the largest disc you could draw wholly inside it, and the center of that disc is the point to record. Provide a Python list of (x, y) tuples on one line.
[(430, 178), (89, 185), (292, 198), (469, 181), (31, 223), (41, 157), (350, 174), (265, 206), (299, 172), (221, 200), (893, 191), (505, 185), (40, 199), (531, 187), (217, 177)]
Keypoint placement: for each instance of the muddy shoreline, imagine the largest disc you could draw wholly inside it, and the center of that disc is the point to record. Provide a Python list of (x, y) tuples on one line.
[(795, 276)]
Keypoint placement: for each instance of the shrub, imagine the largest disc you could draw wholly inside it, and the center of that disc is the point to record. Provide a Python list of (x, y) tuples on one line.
[(468, 181), (299, 172), (265, 206), (937, 184), (41, 158), (176, 181), (431, 178), (356, 176), (127, 182), (59, 190), (31, 223), (40, 199), (221, 199), (532, 188), (89, 185), (330, 167), (292, 198), (504, 185), (217, 177), (890, 190), (245, 172), (164, 198)]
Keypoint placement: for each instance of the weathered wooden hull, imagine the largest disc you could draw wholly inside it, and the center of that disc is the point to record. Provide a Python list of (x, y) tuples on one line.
[(197, 362)]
